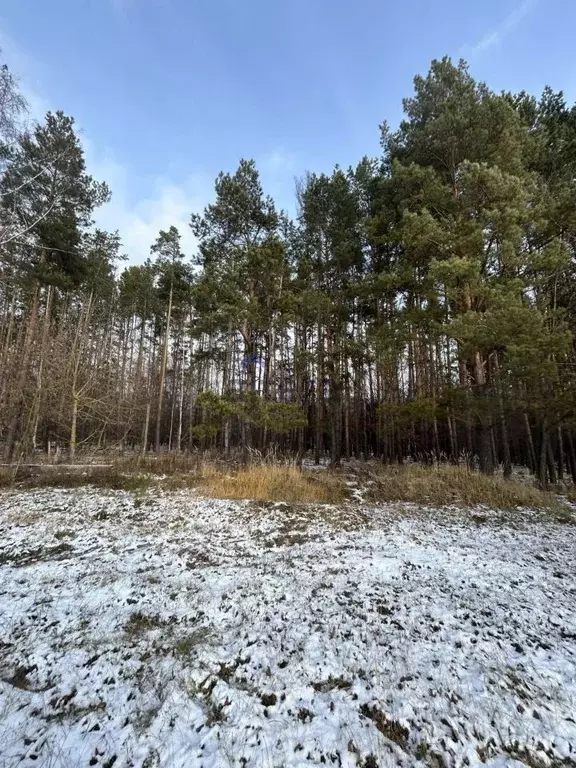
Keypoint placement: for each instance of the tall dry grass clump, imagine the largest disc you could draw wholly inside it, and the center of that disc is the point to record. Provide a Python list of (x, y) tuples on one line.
[(446, 485), (269, 482), (7, 475)]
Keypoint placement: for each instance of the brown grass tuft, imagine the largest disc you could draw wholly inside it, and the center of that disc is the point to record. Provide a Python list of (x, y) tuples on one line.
[(6, 477), (447, 485), (269, 482), (160, 464)]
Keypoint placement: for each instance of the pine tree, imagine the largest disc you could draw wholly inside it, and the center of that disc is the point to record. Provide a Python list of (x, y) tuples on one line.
[(243, 268)]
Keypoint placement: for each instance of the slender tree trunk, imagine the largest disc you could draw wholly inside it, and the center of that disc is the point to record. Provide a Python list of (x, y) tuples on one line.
[(144, 447), (437, 451), (227, 384), (571, 455), (505, 444), (163, 363), (503, 425), (22, 374), (561, 459), (73, 427), (39, 381), (542, 469), (7, 351), (319, 397), (485, 452), (453, 439), (180, 406), (335, 401), (530, 442), (551, 463)]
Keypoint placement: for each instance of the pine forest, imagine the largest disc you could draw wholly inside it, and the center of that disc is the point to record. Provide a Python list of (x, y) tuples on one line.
[(420, 305)]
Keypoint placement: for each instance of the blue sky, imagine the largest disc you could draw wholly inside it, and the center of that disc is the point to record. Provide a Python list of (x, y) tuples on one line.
[(169, 92)]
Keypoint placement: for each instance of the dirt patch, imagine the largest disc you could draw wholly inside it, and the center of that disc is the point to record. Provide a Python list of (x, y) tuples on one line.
[(285, 525), (389, 728), (22, 558), (333, 683)]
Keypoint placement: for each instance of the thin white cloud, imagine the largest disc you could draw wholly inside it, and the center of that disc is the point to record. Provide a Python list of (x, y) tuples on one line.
[(166, 202), (278, 169), (138, 221), (278, 161), (496, 35), (23, 67)]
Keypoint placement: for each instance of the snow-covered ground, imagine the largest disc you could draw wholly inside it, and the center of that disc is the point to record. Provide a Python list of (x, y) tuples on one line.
[(170, 630)]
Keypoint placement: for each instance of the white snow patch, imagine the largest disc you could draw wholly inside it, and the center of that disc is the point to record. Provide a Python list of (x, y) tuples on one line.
[(170, 630)]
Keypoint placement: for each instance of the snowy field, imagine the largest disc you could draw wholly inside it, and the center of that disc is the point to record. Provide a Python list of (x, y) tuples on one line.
[(170, 630)]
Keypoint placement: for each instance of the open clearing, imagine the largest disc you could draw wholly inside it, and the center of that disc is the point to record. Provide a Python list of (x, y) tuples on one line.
[(169, 630)]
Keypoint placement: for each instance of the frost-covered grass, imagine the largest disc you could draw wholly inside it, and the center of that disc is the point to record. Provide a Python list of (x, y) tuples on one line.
[(152, 628)]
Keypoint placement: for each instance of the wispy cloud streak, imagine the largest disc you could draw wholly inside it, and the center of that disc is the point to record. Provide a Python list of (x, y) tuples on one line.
[(498, 34)]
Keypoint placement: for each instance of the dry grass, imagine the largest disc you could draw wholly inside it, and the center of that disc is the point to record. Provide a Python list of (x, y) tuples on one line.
[(446, 485), (262, 482), (6, 477), (60, 477), (267, 482), (569, 492), (438, 486), (160, 464)]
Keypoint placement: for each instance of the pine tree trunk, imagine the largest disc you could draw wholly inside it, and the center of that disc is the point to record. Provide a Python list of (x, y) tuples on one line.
[(505, 444), (180, 406), (542, 469), (571, 455), (319, 396), (436, 438), (335, 401), (469, 441), (453, 439), (144, 447), (163, 364), (484, 432), (503, 424), (551, 463), (530, 442), (561, 458)]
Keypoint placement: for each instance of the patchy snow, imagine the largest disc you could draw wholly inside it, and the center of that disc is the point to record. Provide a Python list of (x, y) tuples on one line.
[(170, 630)]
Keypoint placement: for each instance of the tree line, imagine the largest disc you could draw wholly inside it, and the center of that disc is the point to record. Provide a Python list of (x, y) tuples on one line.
[(419, 305)]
